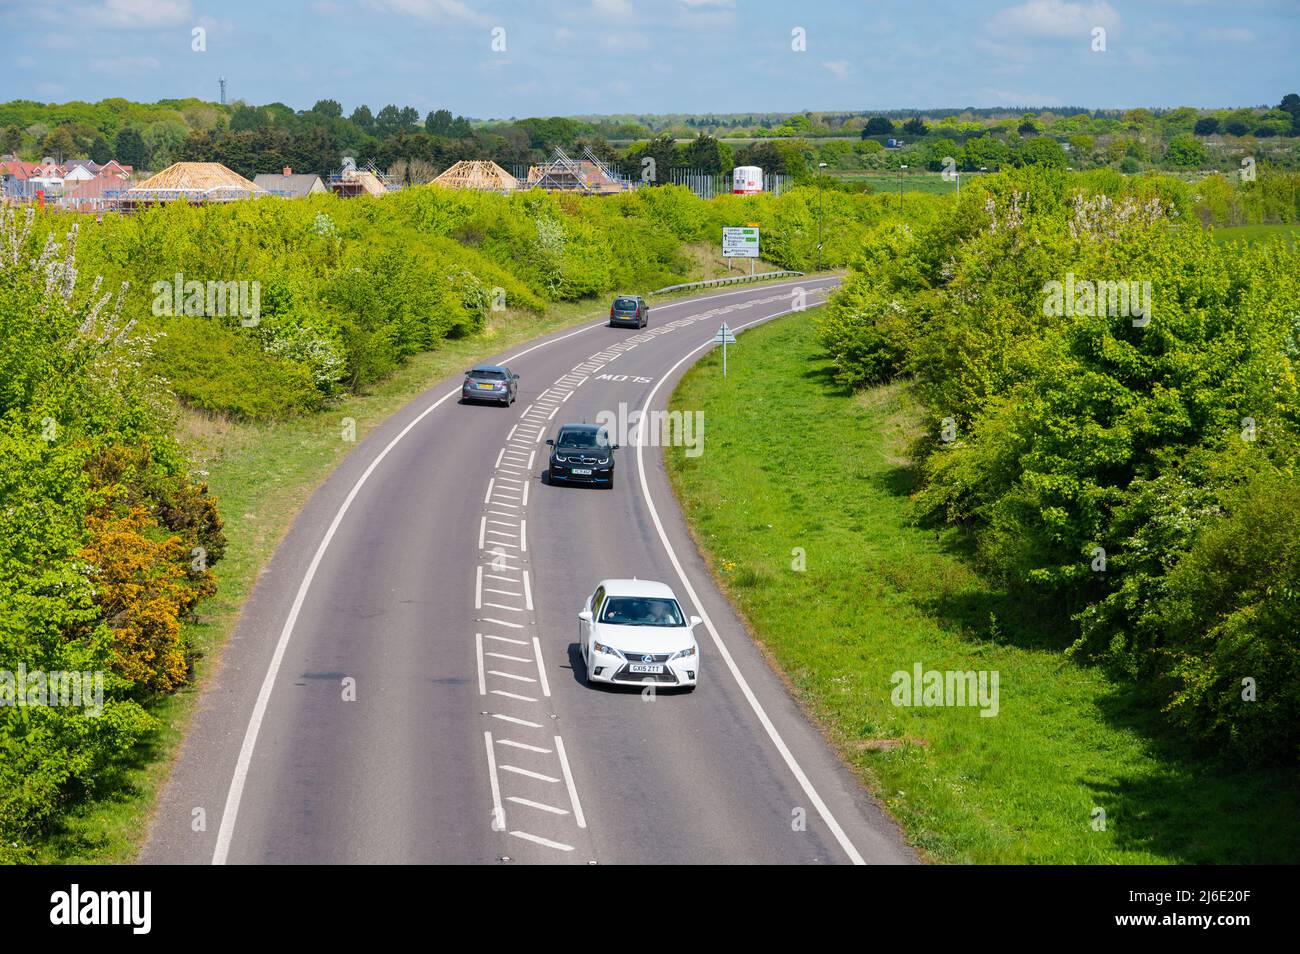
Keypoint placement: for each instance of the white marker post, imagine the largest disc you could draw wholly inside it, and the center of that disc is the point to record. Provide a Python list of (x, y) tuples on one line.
[(724, 337)]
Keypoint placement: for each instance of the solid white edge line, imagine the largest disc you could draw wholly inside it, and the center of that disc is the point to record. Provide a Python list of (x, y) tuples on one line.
[(804, 782), (239, 777), (568, 781)]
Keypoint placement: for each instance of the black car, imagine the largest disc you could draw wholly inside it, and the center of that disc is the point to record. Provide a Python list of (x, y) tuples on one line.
[(629, 310), (581, 453), (490, 382)]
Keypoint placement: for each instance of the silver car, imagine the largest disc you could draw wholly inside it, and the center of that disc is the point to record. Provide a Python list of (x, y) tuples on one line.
[(490, 382)]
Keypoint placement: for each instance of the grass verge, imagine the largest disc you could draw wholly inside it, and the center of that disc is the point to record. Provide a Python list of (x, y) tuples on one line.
[(262, 474), (795, 465), (1257, 233)]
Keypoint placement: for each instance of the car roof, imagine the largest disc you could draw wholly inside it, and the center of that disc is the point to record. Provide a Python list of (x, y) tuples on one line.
[(579, 428), (637, 588), (488, 367)]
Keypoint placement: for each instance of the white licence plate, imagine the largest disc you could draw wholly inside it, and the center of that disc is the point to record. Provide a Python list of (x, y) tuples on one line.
[(582, 471), (645, 667)]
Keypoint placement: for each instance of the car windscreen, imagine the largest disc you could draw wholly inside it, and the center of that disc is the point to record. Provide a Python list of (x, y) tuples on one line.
[(583, 440), (488, 375), (641, 611)]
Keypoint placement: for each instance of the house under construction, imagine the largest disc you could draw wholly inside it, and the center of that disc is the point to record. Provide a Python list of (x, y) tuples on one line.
[(350, 181), (481, 174), (588, 174), (192, 181)]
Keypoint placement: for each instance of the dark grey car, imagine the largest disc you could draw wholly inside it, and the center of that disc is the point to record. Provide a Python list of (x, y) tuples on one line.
[(629, 310), (490, 382)]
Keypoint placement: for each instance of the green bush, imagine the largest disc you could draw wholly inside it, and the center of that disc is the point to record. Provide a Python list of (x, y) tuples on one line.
[(1098, 458), (82, 436), (214, 368)]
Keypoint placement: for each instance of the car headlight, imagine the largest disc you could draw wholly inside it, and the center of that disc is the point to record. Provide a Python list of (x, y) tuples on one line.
[(561, 460), (602, 463), (683, 653), (608, 650)]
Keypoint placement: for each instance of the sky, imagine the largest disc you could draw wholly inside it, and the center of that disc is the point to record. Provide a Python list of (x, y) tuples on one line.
[(515, 58)]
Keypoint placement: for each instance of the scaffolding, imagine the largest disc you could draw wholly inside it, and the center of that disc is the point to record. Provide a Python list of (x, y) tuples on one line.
[(625, 184), (561, 174), (349, 181), (588, 175), (192, 181)]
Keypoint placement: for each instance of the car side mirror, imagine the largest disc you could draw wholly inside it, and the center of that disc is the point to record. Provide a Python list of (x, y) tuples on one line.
[(695, 621), (550, 441), (614, 448), (514, 377), (585, 616)]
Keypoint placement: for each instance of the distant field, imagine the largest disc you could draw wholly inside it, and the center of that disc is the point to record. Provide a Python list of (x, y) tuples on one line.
[(1257, 233), (932, 182)]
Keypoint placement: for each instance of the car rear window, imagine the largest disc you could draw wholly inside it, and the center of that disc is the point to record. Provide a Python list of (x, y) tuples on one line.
[(625, 304), (488, 375)]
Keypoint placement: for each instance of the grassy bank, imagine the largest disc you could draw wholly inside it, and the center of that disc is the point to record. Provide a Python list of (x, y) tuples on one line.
[(1257, 233), (794, 464), (262, 474)]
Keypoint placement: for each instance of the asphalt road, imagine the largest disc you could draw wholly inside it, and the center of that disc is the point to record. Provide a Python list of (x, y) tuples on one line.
[(404, 684)]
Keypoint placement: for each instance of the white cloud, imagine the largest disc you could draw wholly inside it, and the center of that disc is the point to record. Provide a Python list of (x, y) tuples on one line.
[(614, 10), (840, 69), (137, 14), (435, 10), (1228, 35), (624, 41), (1054, 19)]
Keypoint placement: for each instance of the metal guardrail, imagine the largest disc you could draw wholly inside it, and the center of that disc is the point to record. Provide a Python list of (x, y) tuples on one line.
[(733, 280)]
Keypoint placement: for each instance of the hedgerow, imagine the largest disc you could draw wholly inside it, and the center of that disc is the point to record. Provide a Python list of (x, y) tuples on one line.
[(1134, 470), (105, 542)]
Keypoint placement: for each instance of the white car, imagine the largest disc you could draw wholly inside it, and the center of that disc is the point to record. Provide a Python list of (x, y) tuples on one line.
[(633, 632)]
